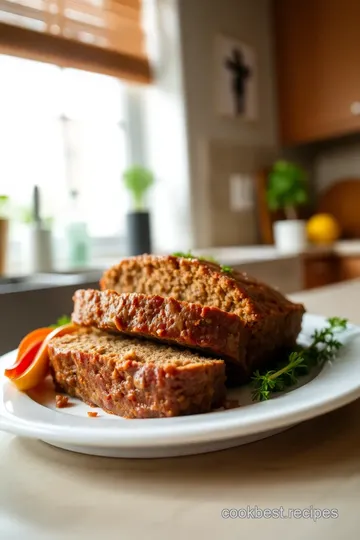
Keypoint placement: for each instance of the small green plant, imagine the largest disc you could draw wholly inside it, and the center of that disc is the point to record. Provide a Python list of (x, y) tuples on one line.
[(138, 180), (4, 202), (287, 188)]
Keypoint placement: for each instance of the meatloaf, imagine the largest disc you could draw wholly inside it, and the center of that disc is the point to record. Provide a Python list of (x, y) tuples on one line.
[(135, 378), (163, 318), (272, 320)]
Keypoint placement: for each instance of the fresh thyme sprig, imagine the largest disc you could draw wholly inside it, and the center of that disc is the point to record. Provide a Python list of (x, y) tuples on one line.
[(323, 347), (208, 258)]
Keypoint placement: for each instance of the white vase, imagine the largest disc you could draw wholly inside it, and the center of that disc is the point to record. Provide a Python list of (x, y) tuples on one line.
[(41, 249), (290, 235)]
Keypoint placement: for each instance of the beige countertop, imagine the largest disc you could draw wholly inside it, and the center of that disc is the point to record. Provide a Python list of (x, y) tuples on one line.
[(258, 253), (46, 493)]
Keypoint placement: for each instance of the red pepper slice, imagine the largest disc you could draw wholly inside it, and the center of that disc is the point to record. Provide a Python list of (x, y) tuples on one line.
[(24, 362)]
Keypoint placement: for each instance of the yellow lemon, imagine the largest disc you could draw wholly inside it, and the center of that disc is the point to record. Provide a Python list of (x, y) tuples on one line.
[(323, 229)]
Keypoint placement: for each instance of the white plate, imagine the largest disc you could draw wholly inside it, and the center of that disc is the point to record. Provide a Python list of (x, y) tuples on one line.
[(34, 415)]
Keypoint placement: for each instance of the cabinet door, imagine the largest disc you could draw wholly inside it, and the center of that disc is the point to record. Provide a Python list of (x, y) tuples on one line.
[(350, 268), (320, 271), (318, 51)]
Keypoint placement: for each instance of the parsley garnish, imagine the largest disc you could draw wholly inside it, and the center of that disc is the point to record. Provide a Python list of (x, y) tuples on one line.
[(64, 319), (183, 255), (190, 255), (227, 269), (205, 258), (323, 347)]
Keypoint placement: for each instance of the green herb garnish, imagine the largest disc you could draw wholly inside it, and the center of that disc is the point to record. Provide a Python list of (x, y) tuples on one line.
[(183, 255), (205, 258), (189, 255), (227, 269), (323, 348), (64, 319)]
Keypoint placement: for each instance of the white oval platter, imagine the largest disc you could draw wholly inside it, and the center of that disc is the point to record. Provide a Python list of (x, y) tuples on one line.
[(35, 415)]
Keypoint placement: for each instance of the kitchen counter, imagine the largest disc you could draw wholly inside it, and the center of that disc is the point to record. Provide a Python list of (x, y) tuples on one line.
[(46, 493), (37, 300), (250, 254), (237, 256)]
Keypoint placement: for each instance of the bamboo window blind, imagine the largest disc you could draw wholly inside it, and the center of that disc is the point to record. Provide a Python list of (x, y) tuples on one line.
[(105, 36)]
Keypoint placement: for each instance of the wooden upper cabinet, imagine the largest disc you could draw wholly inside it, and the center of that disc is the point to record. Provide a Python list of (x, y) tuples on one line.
[(318, 68)]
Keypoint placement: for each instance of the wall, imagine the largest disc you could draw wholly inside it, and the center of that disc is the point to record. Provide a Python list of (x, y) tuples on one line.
[(161, 130), (200, 22), (328, 162), (335, 161)]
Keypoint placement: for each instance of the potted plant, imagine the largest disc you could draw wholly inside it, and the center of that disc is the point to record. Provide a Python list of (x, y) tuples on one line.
[(286, 191), (138, 180), (4, 227)]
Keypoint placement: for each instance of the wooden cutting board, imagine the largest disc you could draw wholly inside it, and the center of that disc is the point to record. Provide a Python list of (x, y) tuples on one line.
[(342, 200)]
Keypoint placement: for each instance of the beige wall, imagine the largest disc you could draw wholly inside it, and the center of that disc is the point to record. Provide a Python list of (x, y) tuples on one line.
[(337, 161), (212, 139)]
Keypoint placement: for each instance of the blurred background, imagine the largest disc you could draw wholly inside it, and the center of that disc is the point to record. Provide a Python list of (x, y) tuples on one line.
[(126, 126)]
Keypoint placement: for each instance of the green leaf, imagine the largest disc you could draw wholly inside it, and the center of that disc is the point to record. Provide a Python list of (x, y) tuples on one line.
[(189, 255), (287, 186), (138, 180), (183, 255), (4, 201), (64, 319), (227, 269)]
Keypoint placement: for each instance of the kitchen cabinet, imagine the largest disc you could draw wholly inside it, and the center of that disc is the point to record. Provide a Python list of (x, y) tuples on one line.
[(320, 270), (349, 268), (317, 54), (324, 269)]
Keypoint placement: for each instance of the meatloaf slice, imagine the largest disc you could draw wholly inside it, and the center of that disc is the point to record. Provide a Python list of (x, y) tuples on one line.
[(135, 378), (273, 321), (165, 319)]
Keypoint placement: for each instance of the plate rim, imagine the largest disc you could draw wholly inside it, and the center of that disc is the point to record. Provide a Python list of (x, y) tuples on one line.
[(289, 408)]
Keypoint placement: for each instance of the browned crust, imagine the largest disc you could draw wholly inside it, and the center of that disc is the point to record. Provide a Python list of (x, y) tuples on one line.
[(273, 321), (164, 319), (135, 385)]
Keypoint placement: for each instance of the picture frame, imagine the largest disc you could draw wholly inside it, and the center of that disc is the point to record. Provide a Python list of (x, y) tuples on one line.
[(236, 79)]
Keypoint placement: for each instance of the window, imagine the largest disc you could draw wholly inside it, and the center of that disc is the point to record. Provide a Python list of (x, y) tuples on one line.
[(63, 130)]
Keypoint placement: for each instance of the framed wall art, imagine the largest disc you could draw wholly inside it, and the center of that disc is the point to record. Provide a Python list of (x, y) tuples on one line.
[(236, 79)]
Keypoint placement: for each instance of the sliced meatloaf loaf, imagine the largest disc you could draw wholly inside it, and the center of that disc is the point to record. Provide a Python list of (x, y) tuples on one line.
[(273, 321), (135, 378), (163, 318)]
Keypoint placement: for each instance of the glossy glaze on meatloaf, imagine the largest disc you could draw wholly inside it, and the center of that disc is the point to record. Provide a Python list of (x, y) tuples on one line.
[(165, 319), (272, 320), (135, 378)]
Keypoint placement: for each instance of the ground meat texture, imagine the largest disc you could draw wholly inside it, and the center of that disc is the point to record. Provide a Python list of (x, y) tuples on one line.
[(135, 378), (61, 401), (165, 319), (272, 320)]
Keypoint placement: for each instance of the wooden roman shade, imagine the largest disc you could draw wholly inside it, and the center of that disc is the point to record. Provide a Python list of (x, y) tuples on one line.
[(105, 36)]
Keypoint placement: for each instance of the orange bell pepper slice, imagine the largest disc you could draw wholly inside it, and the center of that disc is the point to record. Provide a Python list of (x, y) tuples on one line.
[(36, 336), (32, 368)]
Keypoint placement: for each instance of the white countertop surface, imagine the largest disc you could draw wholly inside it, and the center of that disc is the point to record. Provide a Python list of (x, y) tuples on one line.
[(46, 493), (257, 253), (228, 255)]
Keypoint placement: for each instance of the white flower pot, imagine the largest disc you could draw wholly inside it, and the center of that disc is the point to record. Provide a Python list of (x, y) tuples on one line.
[(290, 235)]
